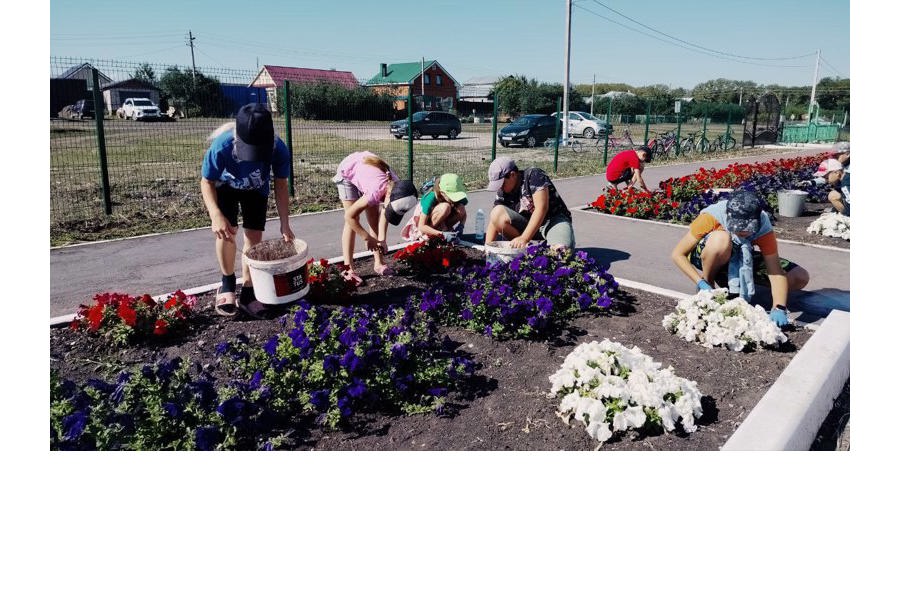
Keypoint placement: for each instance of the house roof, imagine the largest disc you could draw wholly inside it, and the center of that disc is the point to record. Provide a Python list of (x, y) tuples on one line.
[(405, 73), (73, 73), (302, 75), (130, 83), (478, 87)]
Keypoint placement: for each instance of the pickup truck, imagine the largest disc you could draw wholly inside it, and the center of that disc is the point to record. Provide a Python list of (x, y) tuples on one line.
[(138, 108)]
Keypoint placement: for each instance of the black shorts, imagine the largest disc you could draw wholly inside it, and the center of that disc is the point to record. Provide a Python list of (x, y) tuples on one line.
[(760, 273), (625, 177), (253, 207)]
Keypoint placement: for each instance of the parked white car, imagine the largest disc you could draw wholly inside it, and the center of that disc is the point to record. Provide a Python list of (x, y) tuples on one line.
[(138, 108), (583, 124)]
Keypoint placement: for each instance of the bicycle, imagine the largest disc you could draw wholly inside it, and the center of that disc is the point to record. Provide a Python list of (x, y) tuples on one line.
[(720, 143), (572, 143), (614, 143), (691, 143), (662, 145)]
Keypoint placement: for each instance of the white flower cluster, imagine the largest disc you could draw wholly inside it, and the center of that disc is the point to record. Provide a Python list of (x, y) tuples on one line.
[(831, 225), (609, 388), (710, 319)]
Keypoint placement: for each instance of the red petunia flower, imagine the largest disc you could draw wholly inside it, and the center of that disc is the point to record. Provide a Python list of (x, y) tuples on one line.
[(127, 314), (161, 327)]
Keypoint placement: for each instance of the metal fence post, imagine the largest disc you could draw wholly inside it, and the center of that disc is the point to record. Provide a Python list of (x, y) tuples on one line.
[(409, 131), (99, 110), (705, 119), (287, 134), (606, 141), (494, 131), (727, 130), (556, 146), (647, 122), (678, 134)]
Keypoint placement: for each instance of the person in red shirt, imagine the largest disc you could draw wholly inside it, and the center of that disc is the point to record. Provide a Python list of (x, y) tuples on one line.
[(628, 166)]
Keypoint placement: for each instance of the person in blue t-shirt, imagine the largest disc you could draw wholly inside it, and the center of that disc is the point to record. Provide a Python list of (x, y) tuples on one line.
[(235, 175)]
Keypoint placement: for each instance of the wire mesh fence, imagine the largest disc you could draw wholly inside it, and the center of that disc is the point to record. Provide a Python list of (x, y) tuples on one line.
[(153, 149)]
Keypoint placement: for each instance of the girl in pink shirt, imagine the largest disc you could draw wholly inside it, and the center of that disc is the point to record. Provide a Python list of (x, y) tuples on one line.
[(364, 182)]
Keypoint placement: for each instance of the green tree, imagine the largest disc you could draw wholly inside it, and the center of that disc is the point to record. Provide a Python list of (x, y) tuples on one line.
[(196, 97), (146, 74)]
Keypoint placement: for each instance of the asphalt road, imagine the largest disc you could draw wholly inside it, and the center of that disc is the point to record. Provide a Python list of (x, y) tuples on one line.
[(635, 250)]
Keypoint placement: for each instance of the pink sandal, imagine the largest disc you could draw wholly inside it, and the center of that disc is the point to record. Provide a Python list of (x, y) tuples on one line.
[(352, 277)]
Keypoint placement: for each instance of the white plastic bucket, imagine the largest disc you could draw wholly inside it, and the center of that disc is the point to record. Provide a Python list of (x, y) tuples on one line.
[(495, 252), (278, 270), (791, 203)]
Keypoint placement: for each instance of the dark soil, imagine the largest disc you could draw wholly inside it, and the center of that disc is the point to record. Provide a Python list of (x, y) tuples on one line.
[(505, 407)]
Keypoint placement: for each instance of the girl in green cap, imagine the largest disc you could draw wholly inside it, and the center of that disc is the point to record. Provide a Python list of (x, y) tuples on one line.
[(441, 209)]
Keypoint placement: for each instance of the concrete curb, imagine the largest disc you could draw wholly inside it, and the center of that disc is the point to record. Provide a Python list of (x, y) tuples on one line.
[(789, 415)]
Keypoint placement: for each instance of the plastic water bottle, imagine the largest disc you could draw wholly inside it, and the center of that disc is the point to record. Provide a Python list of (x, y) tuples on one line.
[(479, 225)]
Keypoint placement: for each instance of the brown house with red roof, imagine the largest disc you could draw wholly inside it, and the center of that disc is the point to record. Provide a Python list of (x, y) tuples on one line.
[(272, 78)]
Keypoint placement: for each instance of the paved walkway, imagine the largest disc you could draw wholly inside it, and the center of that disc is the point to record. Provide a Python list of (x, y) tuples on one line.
[(635, 250)]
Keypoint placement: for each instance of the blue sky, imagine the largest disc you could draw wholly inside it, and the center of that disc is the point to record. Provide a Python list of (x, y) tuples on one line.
[(656, 41)]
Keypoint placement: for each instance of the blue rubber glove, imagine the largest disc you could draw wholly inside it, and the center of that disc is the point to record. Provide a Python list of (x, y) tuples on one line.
[(703, 285), (779, 317)]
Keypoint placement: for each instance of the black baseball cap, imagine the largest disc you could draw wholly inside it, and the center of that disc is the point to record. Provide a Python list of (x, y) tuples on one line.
[(742, 211), (254, 133), (404, 196)]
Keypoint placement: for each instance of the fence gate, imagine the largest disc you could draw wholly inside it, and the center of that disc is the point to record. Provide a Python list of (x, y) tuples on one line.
[(762, 120)]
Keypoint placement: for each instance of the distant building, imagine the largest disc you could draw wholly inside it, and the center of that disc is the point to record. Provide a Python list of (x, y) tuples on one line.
[(83, 71), (432, 86), (476, 96), (272, 78)]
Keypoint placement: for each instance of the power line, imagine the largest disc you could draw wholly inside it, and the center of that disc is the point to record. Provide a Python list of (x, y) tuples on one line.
[(695, 45), (830, 66), (686, 47)]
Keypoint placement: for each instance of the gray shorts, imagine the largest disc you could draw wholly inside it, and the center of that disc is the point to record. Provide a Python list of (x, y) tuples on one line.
[(347, 192), (556, 230)]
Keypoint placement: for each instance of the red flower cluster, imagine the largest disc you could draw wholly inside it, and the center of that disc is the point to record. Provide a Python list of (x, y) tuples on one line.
[(434, 255), (633, 203), (327, 283), (126, 318)]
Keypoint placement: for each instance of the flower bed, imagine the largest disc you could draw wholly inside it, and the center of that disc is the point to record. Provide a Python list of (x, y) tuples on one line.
[(503, 404), (680, 199)]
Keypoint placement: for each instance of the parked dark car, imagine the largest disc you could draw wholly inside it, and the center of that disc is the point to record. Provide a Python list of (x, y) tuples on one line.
[(433, 123), (82, 109), (528, 130)]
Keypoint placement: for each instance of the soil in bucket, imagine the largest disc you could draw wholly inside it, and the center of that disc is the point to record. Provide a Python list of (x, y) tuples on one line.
[(278, 270), (502, 251)]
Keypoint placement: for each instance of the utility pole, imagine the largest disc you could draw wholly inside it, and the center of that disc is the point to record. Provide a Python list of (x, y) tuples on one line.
[(565, 109), (423, 80), (593, 85), (190, 43), (812, 96)]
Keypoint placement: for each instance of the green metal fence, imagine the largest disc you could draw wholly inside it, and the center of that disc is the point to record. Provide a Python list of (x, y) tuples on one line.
[(113, 176)]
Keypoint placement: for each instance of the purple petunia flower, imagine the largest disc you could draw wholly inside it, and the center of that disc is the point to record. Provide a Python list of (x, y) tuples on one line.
[(541, 262), (331, 363), (255, 380), (271, 345), (544, 305), (74, 424), (319, 399), (356, 389), (206, 438)]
